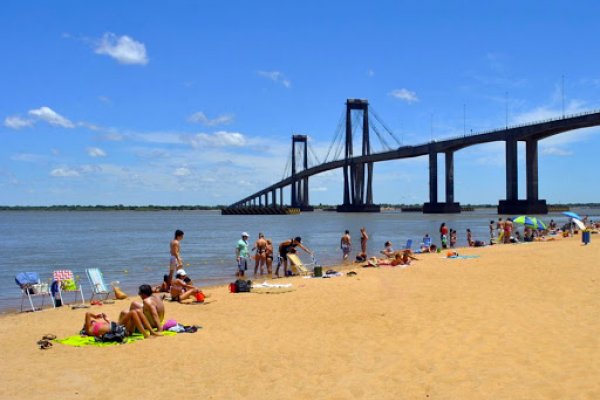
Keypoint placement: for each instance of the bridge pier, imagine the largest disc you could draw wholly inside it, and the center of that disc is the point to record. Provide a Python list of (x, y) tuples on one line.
[(512, 204), (358, 193), (433, 206)]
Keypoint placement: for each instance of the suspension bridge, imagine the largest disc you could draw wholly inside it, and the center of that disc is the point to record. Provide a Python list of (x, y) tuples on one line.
[(358, 169)]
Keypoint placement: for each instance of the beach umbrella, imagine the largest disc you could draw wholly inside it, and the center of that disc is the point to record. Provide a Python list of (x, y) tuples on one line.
[(571, 214), (531, 222), (578, 223)]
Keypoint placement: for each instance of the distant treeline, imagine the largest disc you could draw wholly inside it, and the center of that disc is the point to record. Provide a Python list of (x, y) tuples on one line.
[(151, 207), (119, 207)]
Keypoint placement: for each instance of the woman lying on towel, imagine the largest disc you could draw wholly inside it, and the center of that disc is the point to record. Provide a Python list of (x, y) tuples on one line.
[(401, 257), (99, 324)]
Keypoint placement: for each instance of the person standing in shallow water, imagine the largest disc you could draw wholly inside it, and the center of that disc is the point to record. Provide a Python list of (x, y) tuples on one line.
[(261, 254), (444, 235), (364, 238), (241, 254), (175, 262), (346, 245)]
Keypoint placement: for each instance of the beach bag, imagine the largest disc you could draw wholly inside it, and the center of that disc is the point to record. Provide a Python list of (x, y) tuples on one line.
[(117, 334), (68, 285), (243, 286)]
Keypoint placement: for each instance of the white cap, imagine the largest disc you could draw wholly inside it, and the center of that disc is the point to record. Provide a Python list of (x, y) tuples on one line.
[(245, 234), (181, 272)]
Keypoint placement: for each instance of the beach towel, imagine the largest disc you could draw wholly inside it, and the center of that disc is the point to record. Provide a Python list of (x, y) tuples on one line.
[(272, 288), (78, 340), (463, 257)]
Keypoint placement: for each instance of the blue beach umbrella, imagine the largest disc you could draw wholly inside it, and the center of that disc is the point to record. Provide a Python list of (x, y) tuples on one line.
[(571, 214)]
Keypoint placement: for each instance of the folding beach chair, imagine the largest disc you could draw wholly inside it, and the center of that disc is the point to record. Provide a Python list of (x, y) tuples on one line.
[(408, 246), (297, 266), (31, 287), (426, 242), (67, 283), (99, 287)]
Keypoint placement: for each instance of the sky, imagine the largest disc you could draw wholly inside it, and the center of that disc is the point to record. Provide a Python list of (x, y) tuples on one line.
[(195, 102)]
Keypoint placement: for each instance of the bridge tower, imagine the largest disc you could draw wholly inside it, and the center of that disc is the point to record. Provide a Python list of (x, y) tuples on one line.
[(512, 204), (299, 187), (358, 191), (434, 206)]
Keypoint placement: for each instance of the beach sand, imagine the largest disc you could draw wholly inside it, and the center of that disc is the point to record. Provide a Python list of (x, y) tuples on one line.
[(519, 322)]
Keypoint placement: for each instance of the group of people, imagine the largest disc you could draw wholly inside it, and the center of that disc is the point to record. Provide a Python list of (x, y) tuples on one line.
[(346, 245), (145, 317), (264, 254)]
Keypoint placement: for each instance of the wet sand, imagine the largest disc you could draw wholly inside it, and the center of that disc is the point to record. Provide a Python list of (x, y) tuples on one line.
[(519, 322)]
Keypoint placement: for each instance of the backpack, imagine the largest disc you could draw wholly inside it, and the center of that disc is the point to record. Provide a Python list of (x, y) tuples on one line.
[(243, 286), (117, 334)]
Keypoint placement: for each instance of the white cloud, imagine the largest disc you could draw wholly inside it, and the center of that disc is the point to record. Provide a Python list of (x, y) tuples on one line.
[(52, 117), (64, 172), (96, 152), (16, 122), (201, 118), (123, 49), (276, 77), (405, 95), (555, 151), (218, 139), (370, 73), (105, 99), (182, 172)]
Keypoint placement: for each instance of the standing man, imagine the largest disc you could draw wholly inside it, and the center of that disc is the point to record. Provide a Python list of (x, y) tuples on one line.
[(261, 254), (152, 307), (241, 253), (364, 238), (346, 245), (176, 262), (289, 246)]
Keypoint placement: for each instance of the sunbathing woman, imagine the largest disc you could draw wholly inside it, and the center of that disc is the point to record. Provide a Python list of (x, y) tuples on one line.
[(99, 324), (180, 289)]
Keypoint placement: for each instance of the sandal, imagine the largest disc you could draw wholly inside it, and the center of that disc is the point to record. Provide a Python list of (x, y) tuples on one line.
[(44, 344)]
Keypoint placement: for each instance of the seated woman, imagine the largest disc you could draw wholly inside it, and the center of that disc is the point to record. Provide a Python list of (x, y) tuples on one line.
[(181, 289), (388, 251), (164, 286), (99, 324)]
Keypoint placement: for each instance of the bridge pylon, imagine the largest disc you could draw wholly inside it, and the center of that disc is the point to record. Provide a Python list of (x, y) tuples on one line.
[(358, 177), (299, 186), (434, 206)]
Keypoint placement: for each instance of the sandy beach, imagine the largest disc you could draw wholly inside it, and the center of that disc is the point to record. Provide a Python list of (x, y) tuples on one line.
[(519, 322)]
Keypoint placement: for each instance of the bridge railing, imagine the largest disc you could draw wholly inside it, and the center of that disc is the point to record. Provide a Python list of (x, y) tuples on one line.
[(581, 114)]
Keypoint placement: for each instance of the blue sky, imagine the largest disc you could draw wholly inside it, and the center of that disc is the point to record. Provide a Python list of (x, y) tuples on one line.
[(195, 102)]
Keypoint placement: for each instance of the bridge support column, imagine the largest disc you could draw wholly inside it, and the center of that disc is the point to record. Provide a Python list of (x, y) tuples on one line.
[(358, 193), (512, 204), (433, 206)]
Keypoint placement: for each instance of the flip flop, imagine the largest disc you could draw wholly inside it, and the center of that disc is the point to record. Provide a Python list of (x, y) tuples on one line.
[(77, 306), (109, 302), (49, 336), (44, 344)]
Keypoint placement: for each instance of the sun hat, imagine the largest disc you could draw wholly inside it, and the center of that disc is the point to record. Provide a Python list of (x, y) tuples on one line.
[(181, 272), (245, 234)]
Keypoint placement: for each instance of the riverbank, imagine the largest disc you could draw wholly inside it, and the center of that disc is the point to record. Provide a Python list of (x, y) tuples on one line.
[(518, 322)]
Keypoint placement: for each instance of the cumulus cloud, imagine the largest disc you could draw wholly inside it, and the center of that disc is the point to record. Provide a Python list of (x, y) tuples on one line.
[(276, 77), (201, 118), (50, 116), (64, 172), (96, 152), (16, 122), (181, 172), (404, 95), (124, 49), (218, 139)]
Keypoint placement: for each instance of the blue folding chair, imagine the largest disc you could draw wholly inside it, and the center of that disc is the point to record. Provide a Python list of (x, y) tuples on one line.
[(32, 287)]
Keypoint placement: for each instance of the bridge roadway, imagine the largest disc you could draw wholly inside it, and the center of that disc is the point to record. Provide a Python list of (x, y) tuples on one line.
[(535, 131)]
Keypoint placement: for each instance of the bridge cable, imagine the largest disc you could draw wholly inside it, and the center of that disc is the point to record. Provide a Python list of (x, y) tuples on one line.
[(382, 140), (389, 131), (336, 136)]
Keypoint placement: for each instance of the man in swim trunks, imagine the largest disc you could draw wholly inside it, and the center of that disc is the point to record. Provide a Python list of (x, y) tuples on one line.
[(346, 245), (175, 262), (241, 254), (364, 238), (152, 307), (289, 246), (261, 254)]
